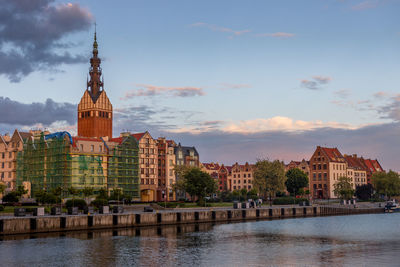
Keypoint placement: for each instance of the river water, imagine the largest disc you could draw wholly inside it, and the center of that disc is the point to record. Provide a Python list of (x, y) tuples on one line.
[(357, 240)]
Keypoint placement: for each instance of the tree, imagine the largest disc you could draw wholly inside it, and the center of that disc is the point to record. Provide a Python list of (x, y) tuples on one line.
[(2, 188), (11, 197), (269, 177), (343, 188), (243, 193), (252, 194), (20, 191), (199, 184), (364, 192), (387, 184), (296, 180), (102, 194), (74, 192)]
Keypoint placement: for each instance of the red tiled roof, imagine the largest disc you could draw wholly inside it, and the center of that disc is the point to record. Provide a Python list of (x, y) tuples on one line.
[(333, 153), (373, 165), (211, 166), (138, 136), (117, 139), (354, 162)]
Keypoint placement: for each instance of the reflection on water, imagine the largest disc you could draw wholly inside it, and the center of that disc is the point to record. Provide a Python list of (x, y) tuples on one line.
[(360, 240)]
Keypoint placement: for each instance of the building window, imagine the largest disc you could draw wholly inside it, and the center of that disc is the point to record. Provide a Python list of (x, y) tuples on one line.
[(10, 155), (81, 147), (100, 148)]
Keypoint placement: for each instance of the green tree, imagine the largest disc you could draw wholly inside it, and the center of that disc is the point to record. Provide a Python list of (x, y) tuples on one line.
[(364, 192), (343, 188), (387, 184), (11, 197), (252, 194), (2, 188), (102, 194), (243, 193), (74, 192), (269, 177), (296, 180), (199, 184), (20, 191)]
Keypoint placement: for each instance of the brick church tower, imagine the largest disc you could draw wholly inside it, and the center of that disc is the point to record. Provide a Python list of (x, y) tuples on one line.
[(95, 112)]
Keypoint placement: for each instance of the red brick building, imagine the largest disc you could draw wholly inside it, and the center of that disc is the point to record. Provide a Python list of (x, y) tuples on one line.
[(95, 111)]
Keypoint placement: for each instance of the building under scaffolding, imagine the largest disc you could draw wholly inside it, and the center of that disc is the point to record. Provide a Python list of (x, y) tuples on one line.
[(58, 160)]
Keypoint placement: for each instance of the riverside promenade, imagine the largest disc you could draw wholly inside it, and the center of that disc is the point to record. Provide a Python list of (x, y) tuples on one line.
[(44, 224)]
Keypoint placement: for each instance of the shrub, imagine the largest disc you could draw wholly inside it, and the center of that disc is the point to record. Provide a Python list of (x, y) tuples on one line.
[(288, 200), (11, 197), (1, 207), (99, 202), (80, 203)]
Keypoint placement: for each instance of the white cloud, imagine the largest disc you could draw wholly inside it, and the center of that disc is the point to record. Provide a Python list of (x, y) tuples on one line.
[(153, 90)]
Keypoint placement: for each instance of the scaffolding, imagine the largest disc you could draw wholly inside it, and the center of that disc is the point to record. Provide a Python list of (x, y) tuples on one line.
[(50, 162), (123, 167)]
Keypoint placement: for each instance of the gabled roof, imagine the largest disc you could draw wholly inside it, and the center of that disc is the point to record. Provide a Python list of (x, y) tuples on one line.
[(354, 162), (138, 136), (333, 154), (373, 165)]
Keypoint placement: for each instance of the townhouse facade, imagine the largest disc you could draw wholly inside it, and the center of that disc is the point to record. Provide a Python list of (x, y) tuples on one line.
[(9, 148), (241, 177), (326, 166)]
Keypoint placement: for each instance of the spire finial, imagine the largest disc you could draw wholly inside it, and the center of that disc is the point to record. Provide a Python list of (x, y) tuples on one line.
[(95, 37)]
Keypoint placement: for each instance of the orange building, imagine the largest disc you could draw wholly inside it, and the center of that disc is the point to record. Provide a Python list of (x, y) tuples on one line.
[(9, 147), (241, 177)]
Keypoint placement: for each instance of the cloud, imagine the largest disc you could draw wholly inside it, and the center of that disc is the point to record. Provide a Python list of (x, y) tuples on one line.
[(152, 90), (220, 29), (44, 114), (365, 5), (316, 82), (31, 33), (227, 86), (392, 109), (377, 141), (277, 123), (343, 93), (277, 35)]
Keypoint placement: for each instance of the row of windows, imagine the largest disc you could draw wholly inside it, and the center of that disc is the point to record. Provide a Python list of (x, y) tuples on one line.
[(319, 166), (92, 148), (146, 181), (147, 171), (320, 186), (4, 174), (244, 175), (248, 187), (319, 158), (244, 181), (10, 155), (9, 165), (147, 151), (101, 114)]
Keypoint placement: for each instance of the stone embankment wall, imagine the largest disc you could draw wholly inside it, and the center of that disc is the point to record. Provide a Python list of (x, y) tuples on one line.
[(43, 224)]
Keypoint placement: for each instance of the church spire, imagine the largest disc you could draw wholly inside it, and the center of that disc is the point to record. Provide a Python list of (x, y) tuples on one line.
[(95, 85)]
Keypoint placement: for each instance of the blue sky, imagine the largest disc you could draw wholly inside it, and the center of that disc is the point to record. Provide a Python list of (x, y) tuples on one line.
[(202, 70)]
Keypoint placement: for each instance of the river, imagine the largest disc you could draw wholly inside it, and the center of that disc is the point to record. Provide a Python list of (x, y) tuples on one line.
[(356, 240)]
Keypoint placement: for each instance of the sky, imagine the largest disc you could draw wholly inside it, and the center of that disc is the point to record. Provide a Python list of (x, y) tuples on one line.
[(239, 80)]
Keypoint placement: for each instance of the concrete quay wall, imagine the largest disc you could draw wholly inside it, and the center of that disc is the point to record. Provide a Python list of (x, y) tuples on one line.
[(43, 224)]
